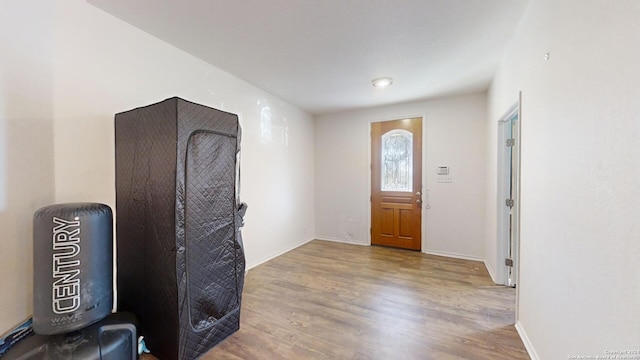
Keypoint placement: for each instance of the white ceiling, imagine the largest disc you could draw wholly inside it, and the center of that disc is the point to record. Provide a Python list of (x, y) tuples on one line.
[(321, 55)]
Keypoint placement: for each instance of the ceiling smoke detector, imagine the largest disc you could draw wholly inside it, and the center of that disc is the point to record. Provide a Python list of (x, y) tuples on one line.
[(382, 82)]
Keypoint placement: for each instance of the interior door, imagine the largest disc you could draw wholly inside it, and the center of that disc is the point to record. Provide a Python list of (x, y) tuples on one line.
[(508, 197), (396, 183)]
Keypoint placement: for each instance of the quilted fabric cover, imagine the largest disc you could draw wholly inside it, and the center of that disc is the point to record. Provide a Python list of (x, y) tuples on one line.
[(180, 256)]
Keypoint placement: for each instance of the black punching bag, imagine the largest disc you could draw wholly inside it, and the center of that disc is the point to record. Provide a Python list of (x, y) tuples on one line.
[(73, 266)]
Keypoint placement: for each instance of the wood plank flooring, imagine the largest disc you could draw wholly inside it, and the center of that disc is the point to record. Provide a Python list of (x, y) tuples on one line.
[(328, 300)]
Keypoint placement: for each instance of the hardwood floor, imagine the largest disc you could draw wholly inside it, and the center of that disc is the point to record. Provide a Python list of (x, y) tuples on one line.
[(328, 300)]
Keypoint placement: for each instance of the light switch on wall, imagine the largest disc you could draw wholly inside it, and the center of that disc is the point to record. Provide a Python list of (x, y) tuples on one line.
[(444, 178)]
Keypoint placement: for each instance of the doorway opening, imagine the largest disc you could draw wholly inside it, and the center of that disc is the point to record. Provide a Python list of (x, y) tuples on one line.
[(509, 196), (396, 183)]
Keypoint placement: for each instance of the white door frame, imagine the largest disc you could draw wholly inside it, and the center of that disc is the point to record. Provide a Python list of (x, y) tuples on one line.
[(508, 218)]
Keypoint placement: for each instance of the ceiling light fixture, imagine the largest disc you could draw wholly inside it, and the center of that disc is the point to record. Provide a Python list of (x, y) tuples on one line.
[(382, 82)]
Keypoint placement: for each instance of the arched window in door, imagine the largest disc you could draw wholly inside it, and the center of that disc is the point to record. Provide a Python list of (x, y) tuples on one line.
[(397, 161)]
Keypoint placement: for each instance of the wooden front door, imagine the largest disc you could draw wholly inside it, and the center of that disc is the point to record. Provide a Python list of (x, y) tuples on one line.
[(396, 183)]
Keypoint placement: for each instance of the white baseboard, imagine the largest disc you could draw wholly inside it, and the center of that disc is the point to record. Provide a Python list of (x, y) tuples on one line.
[(276, 254), (527, 343), (490, 271), (340, 241), (453, 255)]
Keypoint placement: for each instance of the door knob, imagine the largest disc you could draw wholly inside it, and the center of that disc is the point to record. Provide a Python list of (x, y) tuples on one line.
[(418, 193), (419, 201)]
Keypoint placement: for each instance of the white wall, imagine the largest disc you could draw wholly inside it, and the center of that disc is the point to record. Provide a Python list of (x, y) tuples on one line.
[(455, 129), (103, 66), (26, 146), (579, 289), (66, 69)]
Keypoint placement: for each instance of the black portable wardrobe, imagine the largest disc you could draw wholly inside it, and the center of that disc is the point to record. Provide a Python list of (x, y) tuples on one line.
[(180, 259)]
